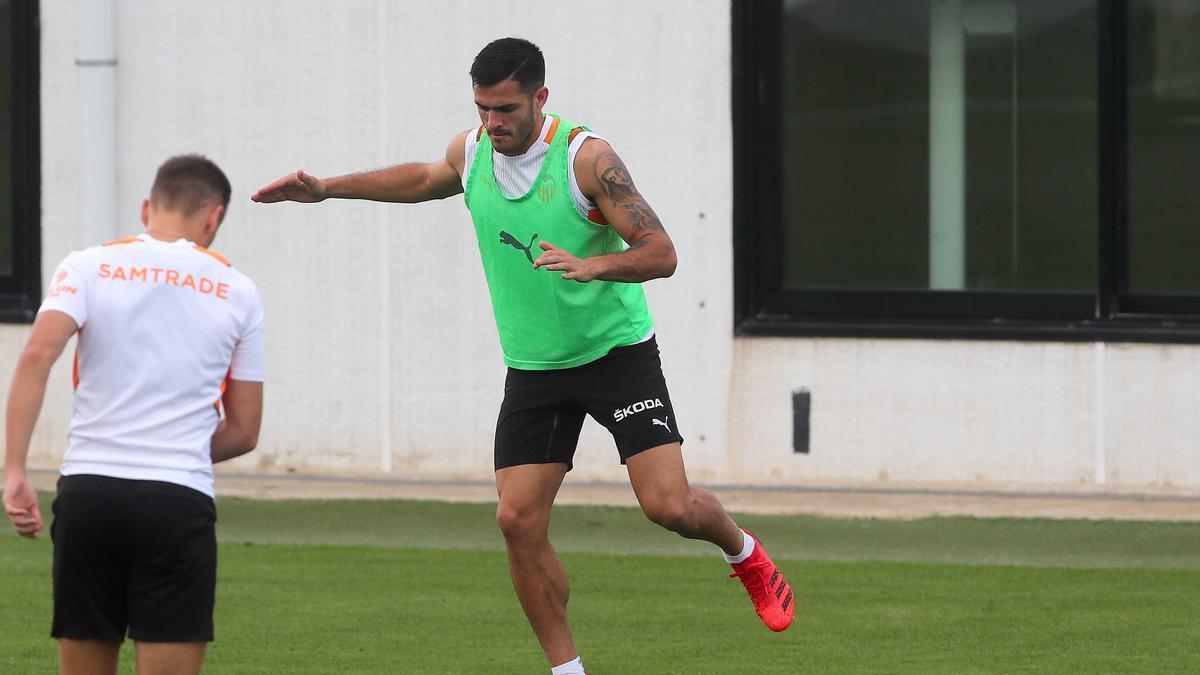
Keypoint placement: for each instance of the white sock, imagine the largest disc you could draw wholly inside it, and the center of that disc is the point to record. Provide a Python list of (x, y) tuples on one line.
[(747, 549), (572, 667)]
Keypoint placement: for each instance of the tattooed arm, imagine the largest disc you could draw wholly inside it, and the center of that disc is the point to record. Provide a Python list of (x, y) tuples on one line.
[(603, 178)]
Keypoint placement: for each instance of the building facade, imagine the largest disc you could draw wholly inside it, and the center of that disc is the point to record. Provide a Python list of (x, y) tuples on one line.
[(920, 241)]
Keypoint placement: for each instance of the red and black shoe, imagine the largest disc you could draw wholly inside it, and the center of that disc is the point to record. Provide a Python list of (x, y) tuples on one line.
[(772, 596)]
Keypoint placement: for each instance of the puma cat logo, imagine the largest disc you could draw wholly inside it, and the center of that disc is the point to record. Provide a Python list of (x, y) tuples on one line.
[(506, 238)]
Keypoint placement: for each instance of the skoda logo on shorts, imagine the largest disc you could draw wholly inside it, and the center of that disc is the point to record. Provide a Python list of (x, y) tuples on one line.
[(621, 413)]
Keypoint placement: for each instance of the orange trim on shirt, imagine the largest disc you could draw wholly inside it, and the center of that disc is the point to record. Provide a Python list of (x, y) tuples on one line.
[(596, 217), (573, 134), (553, 129), (479, 134), (75, 370), (122, 240), (224, 385), (220, 258)]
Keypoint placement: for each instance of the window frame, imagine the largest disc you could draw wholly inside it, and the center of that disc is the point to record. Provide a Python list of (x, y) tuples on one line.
[(763, 306), (21, 291)]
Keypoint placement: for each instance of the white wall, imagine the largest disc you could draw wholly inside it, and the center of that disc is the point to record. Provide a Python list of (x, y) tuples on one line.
[(381, 344), (958, 411)]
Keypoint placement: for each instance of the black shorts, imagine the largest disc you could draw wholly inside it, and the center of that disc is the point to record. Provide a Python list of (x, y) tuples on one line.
[(624, 390), (134, 555)]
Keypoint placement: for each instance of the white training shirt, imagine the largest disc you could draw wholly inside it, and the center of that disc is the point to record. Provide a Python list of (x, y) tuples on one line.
[(161, 327)]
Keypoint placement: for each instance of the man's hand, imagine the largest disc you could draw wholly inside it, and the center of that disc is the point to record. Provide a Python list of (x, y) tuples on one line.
[(558, 260), (294, 187), (51, 331), (20, 504)]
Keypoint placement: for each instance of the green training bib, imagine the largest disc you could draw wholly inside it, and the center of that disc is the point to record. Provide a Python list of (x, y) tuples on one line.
[(544, 321)]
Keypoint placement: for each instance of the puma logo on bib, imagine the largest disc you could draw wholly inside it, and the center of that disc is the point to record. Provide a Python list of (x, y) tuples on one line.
[(506, 238)]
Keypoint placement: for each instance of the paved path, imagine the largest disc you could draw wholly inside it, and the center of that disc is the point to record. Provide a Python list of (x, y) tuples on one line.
[(833, 500)]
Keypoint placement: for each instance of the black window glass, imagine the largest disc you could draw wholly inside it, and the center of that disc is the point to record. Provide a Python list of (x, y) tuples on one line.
[(1163, 101), (939, 144), (6, 137)]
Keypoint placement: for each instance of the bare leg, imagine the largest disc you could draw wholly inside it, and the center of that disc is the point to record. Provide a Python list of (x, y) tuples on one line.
[(88, 657), (661, 486), (170, 658), (526, 495)]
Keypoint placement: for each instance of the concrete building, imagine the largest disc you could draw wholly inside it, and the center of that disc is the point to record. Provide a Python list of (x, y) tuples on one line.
[(801, 347)]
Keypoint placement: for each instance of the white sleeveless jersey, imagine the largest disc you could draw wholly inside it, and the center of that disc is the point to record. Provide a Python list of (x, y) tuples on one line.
[(162, 325)]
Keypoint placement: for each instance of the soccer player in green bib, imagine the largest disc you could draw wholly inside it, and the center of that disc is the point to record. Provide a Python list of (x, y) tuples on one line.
[(566, 240)]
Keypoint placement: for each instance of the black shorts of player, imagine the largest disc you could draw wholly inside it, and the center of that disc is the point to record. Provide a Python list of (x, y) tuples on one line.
[(624, 390), (133, 555)]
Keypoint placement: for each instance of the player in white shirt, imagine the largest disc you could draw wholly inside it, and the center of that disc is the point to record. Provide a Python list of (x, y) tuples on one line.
[(169, 333)]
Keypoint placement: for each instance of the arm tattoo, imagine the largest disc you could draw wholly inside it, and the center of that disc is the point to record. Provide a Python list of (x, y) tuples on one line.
[(617, 184)]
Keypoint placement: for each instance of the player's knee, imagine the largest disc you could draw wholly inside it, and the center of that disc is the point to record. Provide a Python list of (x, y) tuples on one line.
[(675, 515), (516, 524)]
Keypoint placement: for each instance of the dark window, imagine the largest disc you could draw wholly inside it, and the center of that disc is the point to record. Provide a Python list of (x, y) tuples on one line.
[(1163, 92), (964, 168), (20, 252)]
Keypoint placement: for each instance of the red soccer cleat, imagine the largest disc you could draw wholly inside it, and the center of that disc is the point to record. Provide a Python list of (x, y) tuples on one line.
[(772, 596)]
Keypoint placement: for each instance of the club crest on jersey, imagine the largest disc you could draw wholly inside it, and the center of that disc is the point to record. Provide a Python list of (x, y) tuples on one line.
[(621, 413), (545, 191)]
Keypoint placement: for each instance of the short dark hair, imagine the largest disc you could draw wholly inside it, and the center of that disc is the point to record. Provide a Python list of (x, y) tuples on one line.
[(185, 183), (507, 58)]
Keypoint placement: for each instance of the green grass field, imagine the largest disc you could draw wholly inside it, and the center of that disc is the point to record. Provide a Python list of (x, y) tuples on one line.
[(420, 587)]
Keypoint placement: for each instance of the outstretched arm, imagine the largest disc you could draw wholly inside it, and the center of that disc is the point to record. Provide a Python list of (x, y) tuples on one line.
[(604, 179), (406, 183), (51, 331)]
